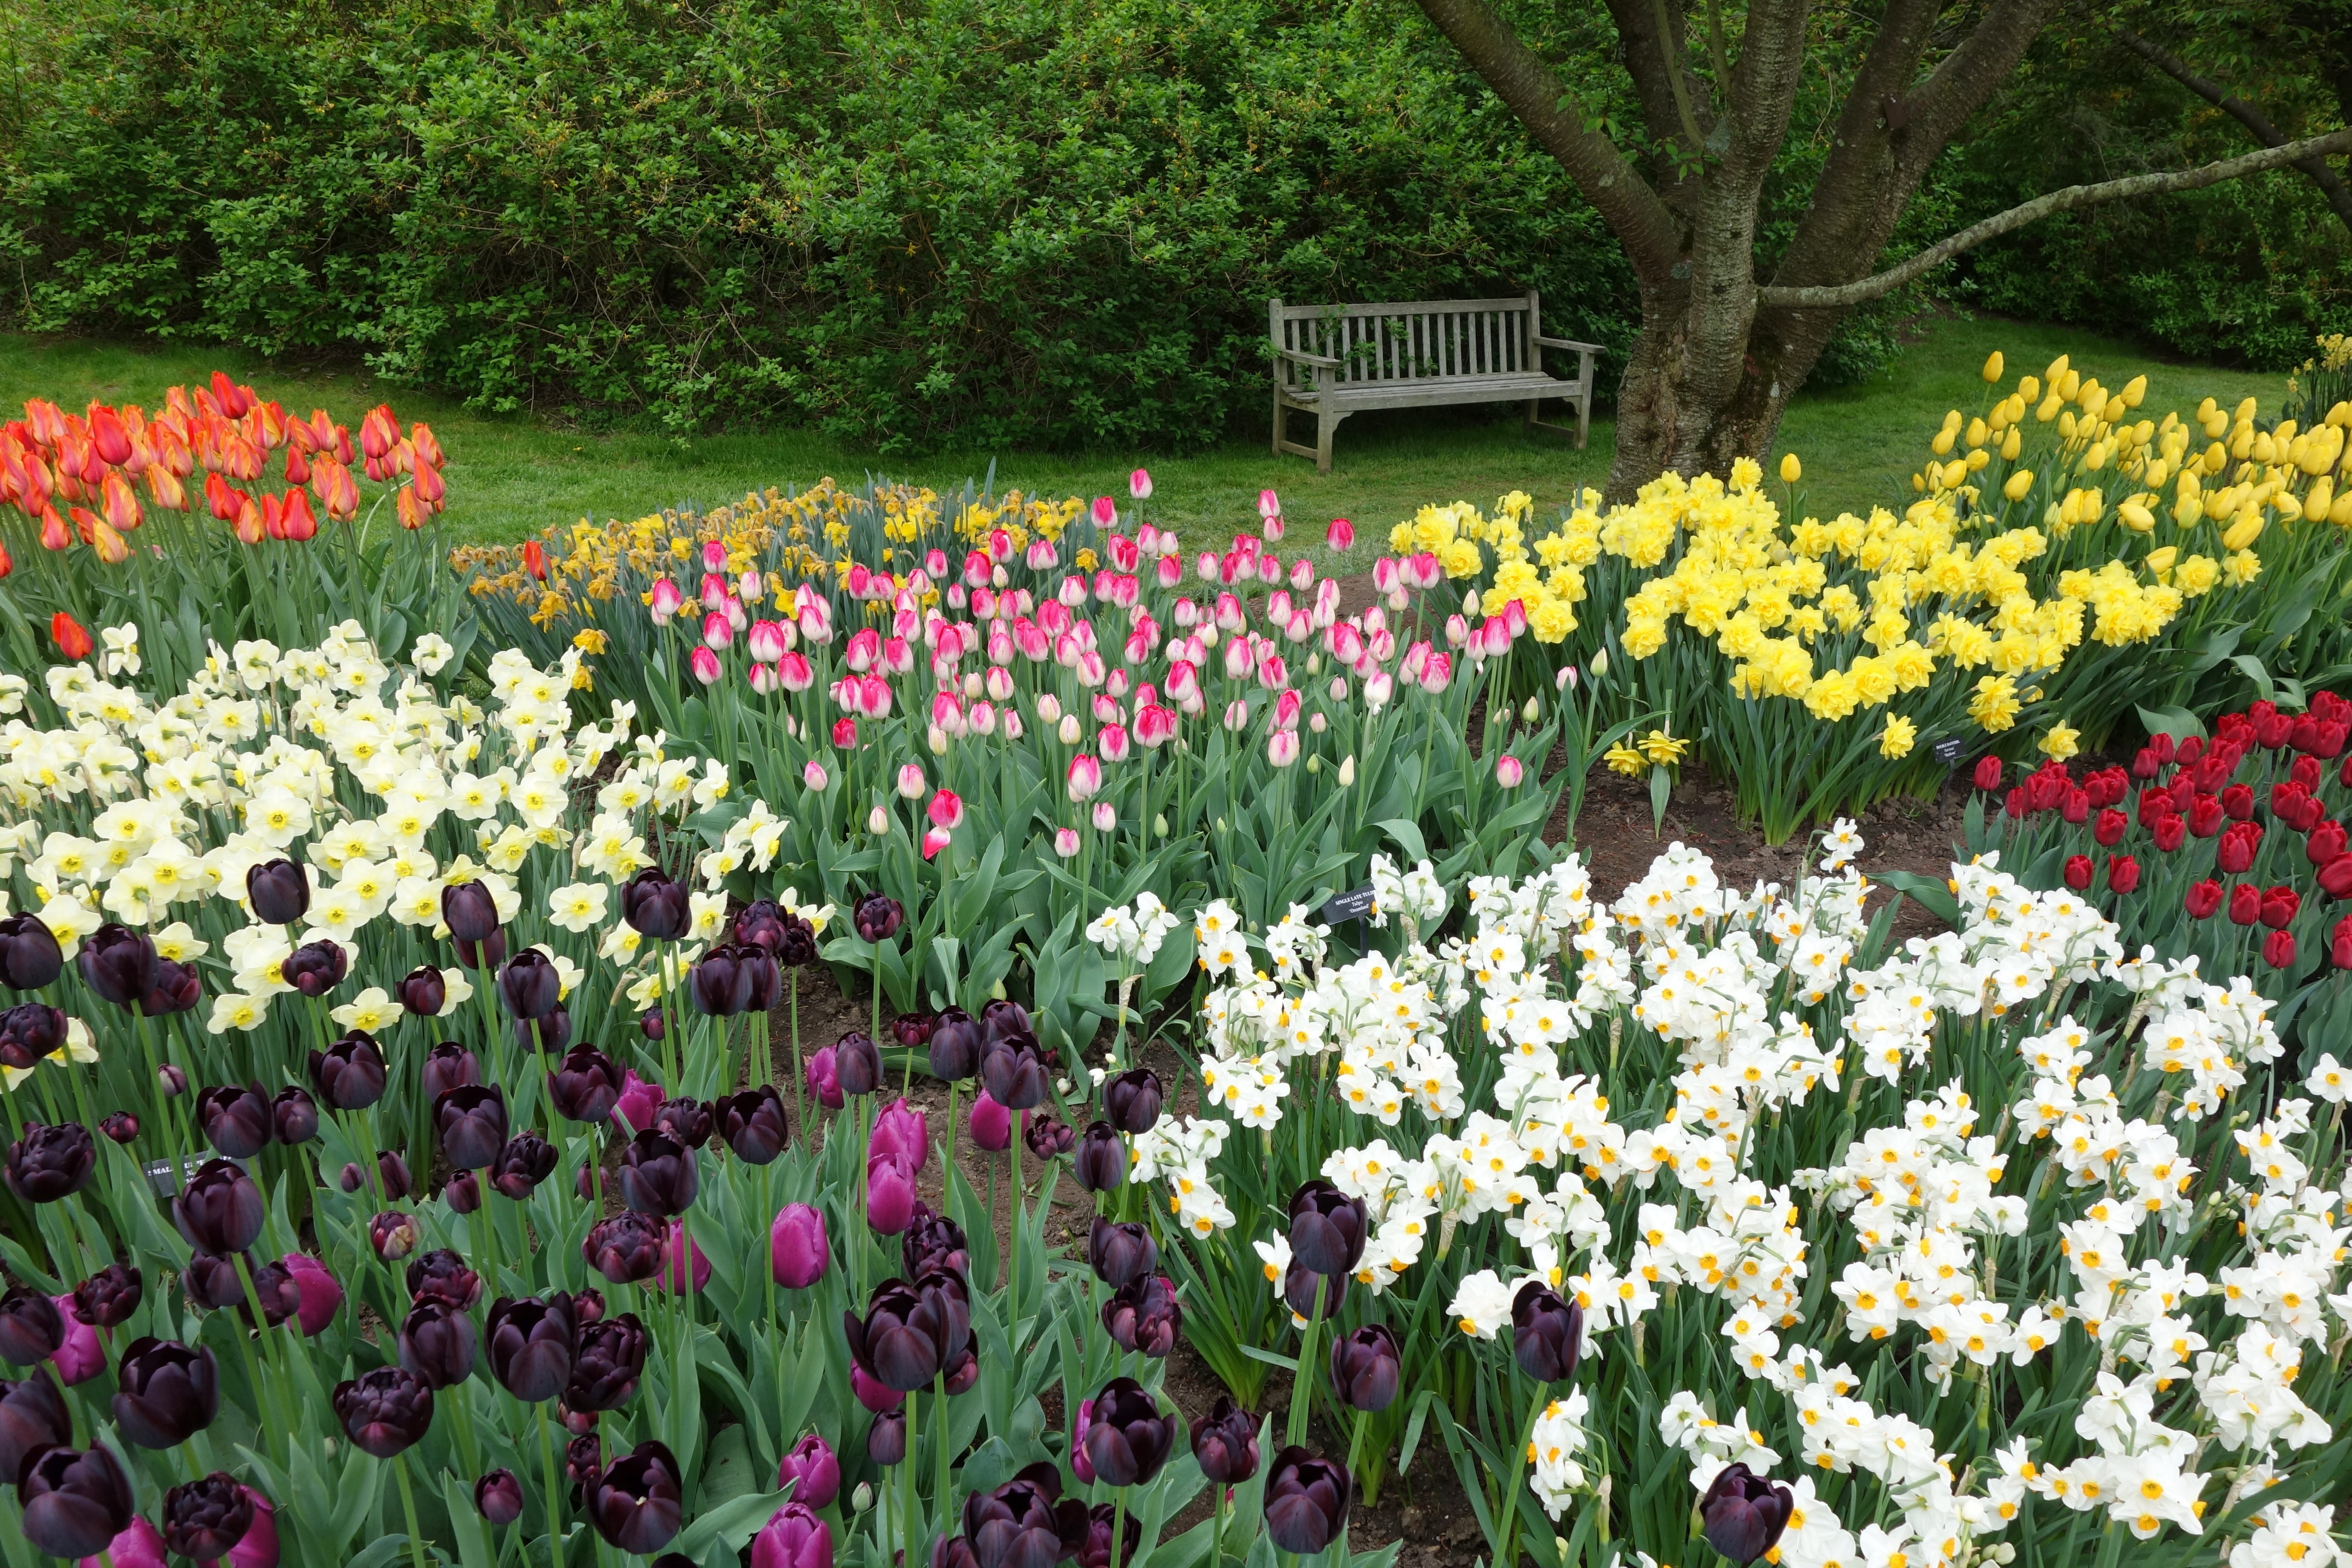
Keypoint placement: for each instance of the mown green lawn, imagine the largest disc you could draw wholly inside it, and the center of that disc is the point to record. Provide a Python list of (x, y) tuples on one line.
[(510, 475)]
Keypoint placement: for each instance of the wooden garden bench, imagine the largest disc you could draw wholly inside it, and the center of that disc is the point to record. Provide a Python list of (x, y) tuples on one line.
[(1333, 361)]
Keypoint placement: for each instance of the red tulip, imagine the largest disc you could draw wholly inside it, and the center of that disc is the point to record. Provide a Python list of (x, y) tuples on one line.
[(2109, 829), (2280, 906), (1987, 775), (2204, 898), (2278, 949), (2171, 833), (73, 639), (2078, 872), (2245, 904), (2235, 853), (2123, 873)]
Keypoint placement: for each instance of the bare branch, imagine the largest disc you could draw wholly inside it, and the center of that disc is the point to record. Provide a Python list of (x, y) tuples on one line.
[(1649, 232), (2331, 184), (1673, 64), (1839, 296)]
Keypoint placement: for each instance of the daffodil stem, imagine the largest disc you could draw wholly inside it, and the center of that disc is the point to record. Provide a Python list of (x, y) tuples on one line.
[(1302, 1382)]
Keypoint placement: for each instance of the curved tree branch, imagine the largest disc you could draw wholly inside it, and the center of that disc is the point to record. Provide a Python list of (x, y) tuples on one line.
[(2330, 183), (1840, 295)]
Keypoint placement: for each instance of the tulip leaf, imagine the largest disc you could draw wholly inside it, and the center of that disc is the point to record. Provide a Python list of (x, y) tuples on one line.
[(381, 1551), (1413, 1430), (728, 1472), (1929, 892), (466, 1522), (991, 1466), (2177, 723), (731, 1523), (355, 1496)]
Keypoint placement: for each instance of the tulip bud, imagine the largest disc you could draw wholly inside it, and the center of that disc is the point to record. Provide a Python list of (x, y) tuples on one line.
[(499, 1497), (386, 1411), (1307, 1501)]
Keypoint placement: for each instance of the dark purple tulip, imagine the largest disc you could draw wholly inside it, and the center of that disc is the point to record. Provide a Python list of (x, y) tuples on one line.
[(350, 1074), (684, 1120), (913, 1030), (798, 1251), (29, 955), (221, 1209), (531, 1346), (810, 1463), (760, 925), (29, 1031), (423, 991), (120, 1126), (1048, 1137), (910, 1333), (583, 1458), (658, 1177), (278, 1291), (530, 984), (1547, 1332), (1101, 1162), (50, 1162), (316, 968), (107, 1299), (641, 1500), (437, 1342), (462, 1192), (487, 954), (204, 1519), (1131, 1100), (384, 1411), (955, 1045), (752, 1123), (472, 1123), (497, 1497), (1366, 1367), (797, 948), (1144, 1316), (469, 912), (175, 1081), (857, 1063), (1025, 1523), (1127, 1439), (885, 1440), (211, 1281), (1298, 1290), (526, 1161), (611, 1362), (75, 1501), (280, 892), (551, 1034), (656, 907), (166, 1392), (1326, 1228), (118, 964), (626, 1248), (767, 978), (1745, 1514), (1014, 1076), (442, 1275), (1121, 1254), (448, 1066), (1100, 1521), (294, 1115), (176, 988), (33, 1415), (391, 1170), (394, 1235), (933, 1241), (234, 1120), (1225, 1445), (1002, 1019), (585, 1086), (721, 983), (878, 917), (1307, 1501), (652, 1024)]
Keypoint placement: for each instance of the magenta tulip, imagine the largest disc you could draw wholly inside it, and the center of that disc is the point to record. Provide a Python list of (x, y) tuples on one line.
[(673, 1275), (138, 1546), (80, 1357), (322, 1294), (811, 1463), (793, 1537), (889, 1195), (638, 1102), (903, 1133), (824, 1079), (798, 1251), (991, 1125)]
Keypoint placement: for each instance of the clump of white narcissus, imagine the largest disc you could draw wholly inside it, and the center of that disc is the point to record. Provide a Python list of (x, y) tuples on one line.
[(1991, 1243)]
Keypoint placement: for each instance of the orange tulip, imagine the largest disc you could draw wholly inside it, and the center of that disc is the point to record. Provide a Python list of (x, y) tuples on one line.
[(176, 401), (240, 456), (234, 400), (73, 639), (249, 527), (298, 463), (221, 498), (46, 420), (430, 486), (273, 517), (428, 445), (379, 431), (412, 515), (301, 524), (273, 427), (332, 484), (165, 488), (111, 546), (107, 435), (401, 458), (54, 534), (84, 520), (121, 506), (172, 451), (7, 563)]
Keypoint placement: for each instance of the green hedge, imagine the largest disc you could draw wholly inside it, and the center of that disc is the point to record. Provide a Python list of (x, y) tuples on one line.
[(1010, 221)]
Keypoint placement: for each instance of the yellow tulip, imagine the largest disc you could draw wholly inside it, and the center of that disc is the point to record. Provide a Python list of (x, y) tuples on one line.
[(2135, 517), (2135, 390), (1942, 444), (2029, 390), (1992, 366), (1791, 470), (1977, 432), (2113, 410), (2340, 513), (2057, 369), (2160, 561), (2018, 485), (2244, 531), (2012, 443), (2050, 407), (1977, 459), (2069, 384), (2246, 413)]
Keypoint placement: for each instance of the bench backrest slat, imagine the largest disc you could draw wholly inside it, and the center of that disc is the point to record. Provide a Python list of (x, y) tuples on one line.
[(1425, 340)]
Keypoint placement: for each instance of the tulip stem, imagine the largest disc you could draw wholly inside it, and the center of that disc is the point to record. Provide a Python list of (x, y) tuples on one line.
[(906, 1478), (408, 1508), (554, 1496), (800, 1081), (947, 1176), (939, 1492), (1302, 1382), (1217, 1530), (1117, 1526), (1510, 1508), (1013, 1240)]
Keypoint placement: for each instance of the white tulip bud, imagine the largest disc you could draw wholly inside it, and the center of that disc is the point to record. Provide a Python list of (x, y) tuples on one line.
[(1072, 731), (937, 740), (1160, 824), (1346, 772), (1532, 711), (877, 821), (1049, 707), (1316, 722), (1470, 602), (1315, 765), (1600, 664), (862, 1498)]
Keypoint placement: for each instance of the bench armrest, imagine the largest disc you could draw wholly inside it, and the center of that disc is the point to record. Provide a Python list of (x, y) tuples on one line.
[(1567, 343), (1325, 360)]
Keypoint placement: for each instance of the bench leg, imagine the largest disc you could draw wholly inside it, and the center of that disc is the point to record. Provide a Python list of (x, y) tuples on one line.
[(1326, 425), (1532, 403), (1584, 417), (1281, 419)]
